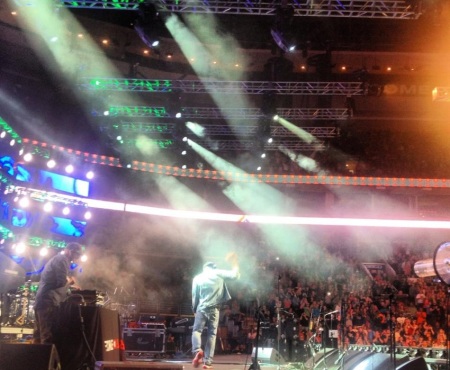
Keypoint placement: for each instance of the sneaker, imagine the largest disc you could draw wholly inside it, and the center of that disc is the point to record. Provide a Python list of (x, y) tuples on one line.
[(198, 358), (207, 366)]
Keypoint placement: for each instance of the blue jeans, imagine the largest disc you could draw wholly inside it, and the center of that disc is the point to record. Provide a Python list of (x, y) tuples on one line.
[(208, 317)]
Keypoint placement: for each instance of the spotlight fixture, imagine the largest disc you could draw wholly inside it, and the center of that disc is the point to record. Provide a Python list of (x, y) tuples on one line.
[(69, 168), (51, 163), (90, 175), (281, 30), (24, 202), (19, 248), (66, 211), (43, 251), (48, 206), (28, 157)]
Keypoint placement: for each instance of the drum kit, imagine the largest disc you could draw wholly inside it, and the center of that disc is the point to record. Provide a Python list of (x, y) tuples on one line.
[(18, 306)]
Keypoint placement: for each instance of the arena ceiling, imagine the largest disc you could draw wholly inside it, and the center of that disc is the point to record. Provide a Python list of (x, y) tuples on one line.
[(394, 55)]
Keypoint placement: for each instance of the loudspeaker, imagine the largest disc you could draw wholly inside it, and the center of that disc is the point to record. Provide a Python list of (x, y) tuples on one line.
[(86, 330), (268, 355), (418, 363), (113, 365), (19, 356)]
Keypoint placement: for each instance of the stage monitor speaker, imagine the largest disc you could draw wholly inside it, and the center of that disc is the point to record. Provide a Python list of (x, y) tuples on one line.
[(20, 356), (418, 363), (130, 365), (268, 356)]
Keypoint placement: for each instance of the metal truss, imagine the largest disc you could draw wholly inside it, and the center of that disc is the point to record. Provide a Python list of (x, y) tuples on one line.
[(244, 145), (231, 113), (397, 9), (221, 130), (222, 87)]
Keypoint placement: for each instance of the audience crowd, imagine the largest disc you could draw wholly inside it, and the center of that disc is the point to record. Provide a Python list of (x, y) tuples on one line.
[(363, 306)]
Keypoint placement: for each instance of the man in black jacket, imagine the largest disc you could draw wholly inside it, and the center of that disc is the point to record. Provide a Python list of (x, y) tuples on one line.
[(53, 288)]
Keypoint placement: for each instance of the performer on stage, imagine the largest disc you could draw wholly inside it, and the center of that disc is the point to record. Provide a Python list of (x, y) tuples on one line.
[(53, 289), (209, 291)]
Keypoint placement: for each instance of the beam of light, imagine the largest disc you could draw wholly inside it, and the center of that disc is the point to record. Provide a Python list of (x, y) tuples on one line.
[(196, 128), (302, 161), (302, 134), (203, 60), (68, 54)]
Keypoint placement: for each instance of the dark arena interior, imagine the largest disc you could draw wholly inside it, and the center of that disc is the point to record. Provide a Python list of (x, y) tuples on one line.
[(306, 138)]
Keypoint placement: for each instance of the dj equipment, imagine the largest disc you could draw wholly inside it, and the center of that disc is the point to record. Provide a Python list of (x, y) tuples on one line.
[(86, 297)]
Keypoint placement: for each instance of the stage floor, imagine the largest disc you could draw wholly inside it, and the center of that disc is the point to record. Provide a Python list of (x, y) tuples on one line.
[(227, 362)]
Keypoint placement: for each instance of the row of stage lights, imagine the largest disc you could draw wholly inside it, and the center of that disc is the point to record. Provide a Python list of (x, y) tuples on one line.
[(20, 249), (25, 197), (437, 353), (51, 163), (24, 202)]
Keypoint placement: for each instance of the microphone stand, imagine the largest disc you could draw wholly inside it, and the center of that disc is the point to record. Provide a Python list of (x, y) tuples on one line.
[(255, 364), (392, 331)]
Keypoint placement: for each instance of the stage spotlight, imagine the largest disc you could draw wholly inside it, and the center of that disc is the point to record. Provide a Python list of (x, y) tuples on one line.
[(66, 211), (2, 134), (83, 258), (147, 25), (19, 248), (12, 142), (51, 163), (69, 168), (90, 175), (24, 202), (276, 117), (87, 215), (281, 31), (43, 251), (28, 157), (48, 207)]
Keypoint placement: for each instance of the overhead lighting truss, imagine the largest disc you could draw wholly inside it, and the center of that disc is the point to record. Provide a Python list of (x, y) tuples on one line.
[(43, 196), (222, 87), (220, 130), (397, 9), (236, 113)]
